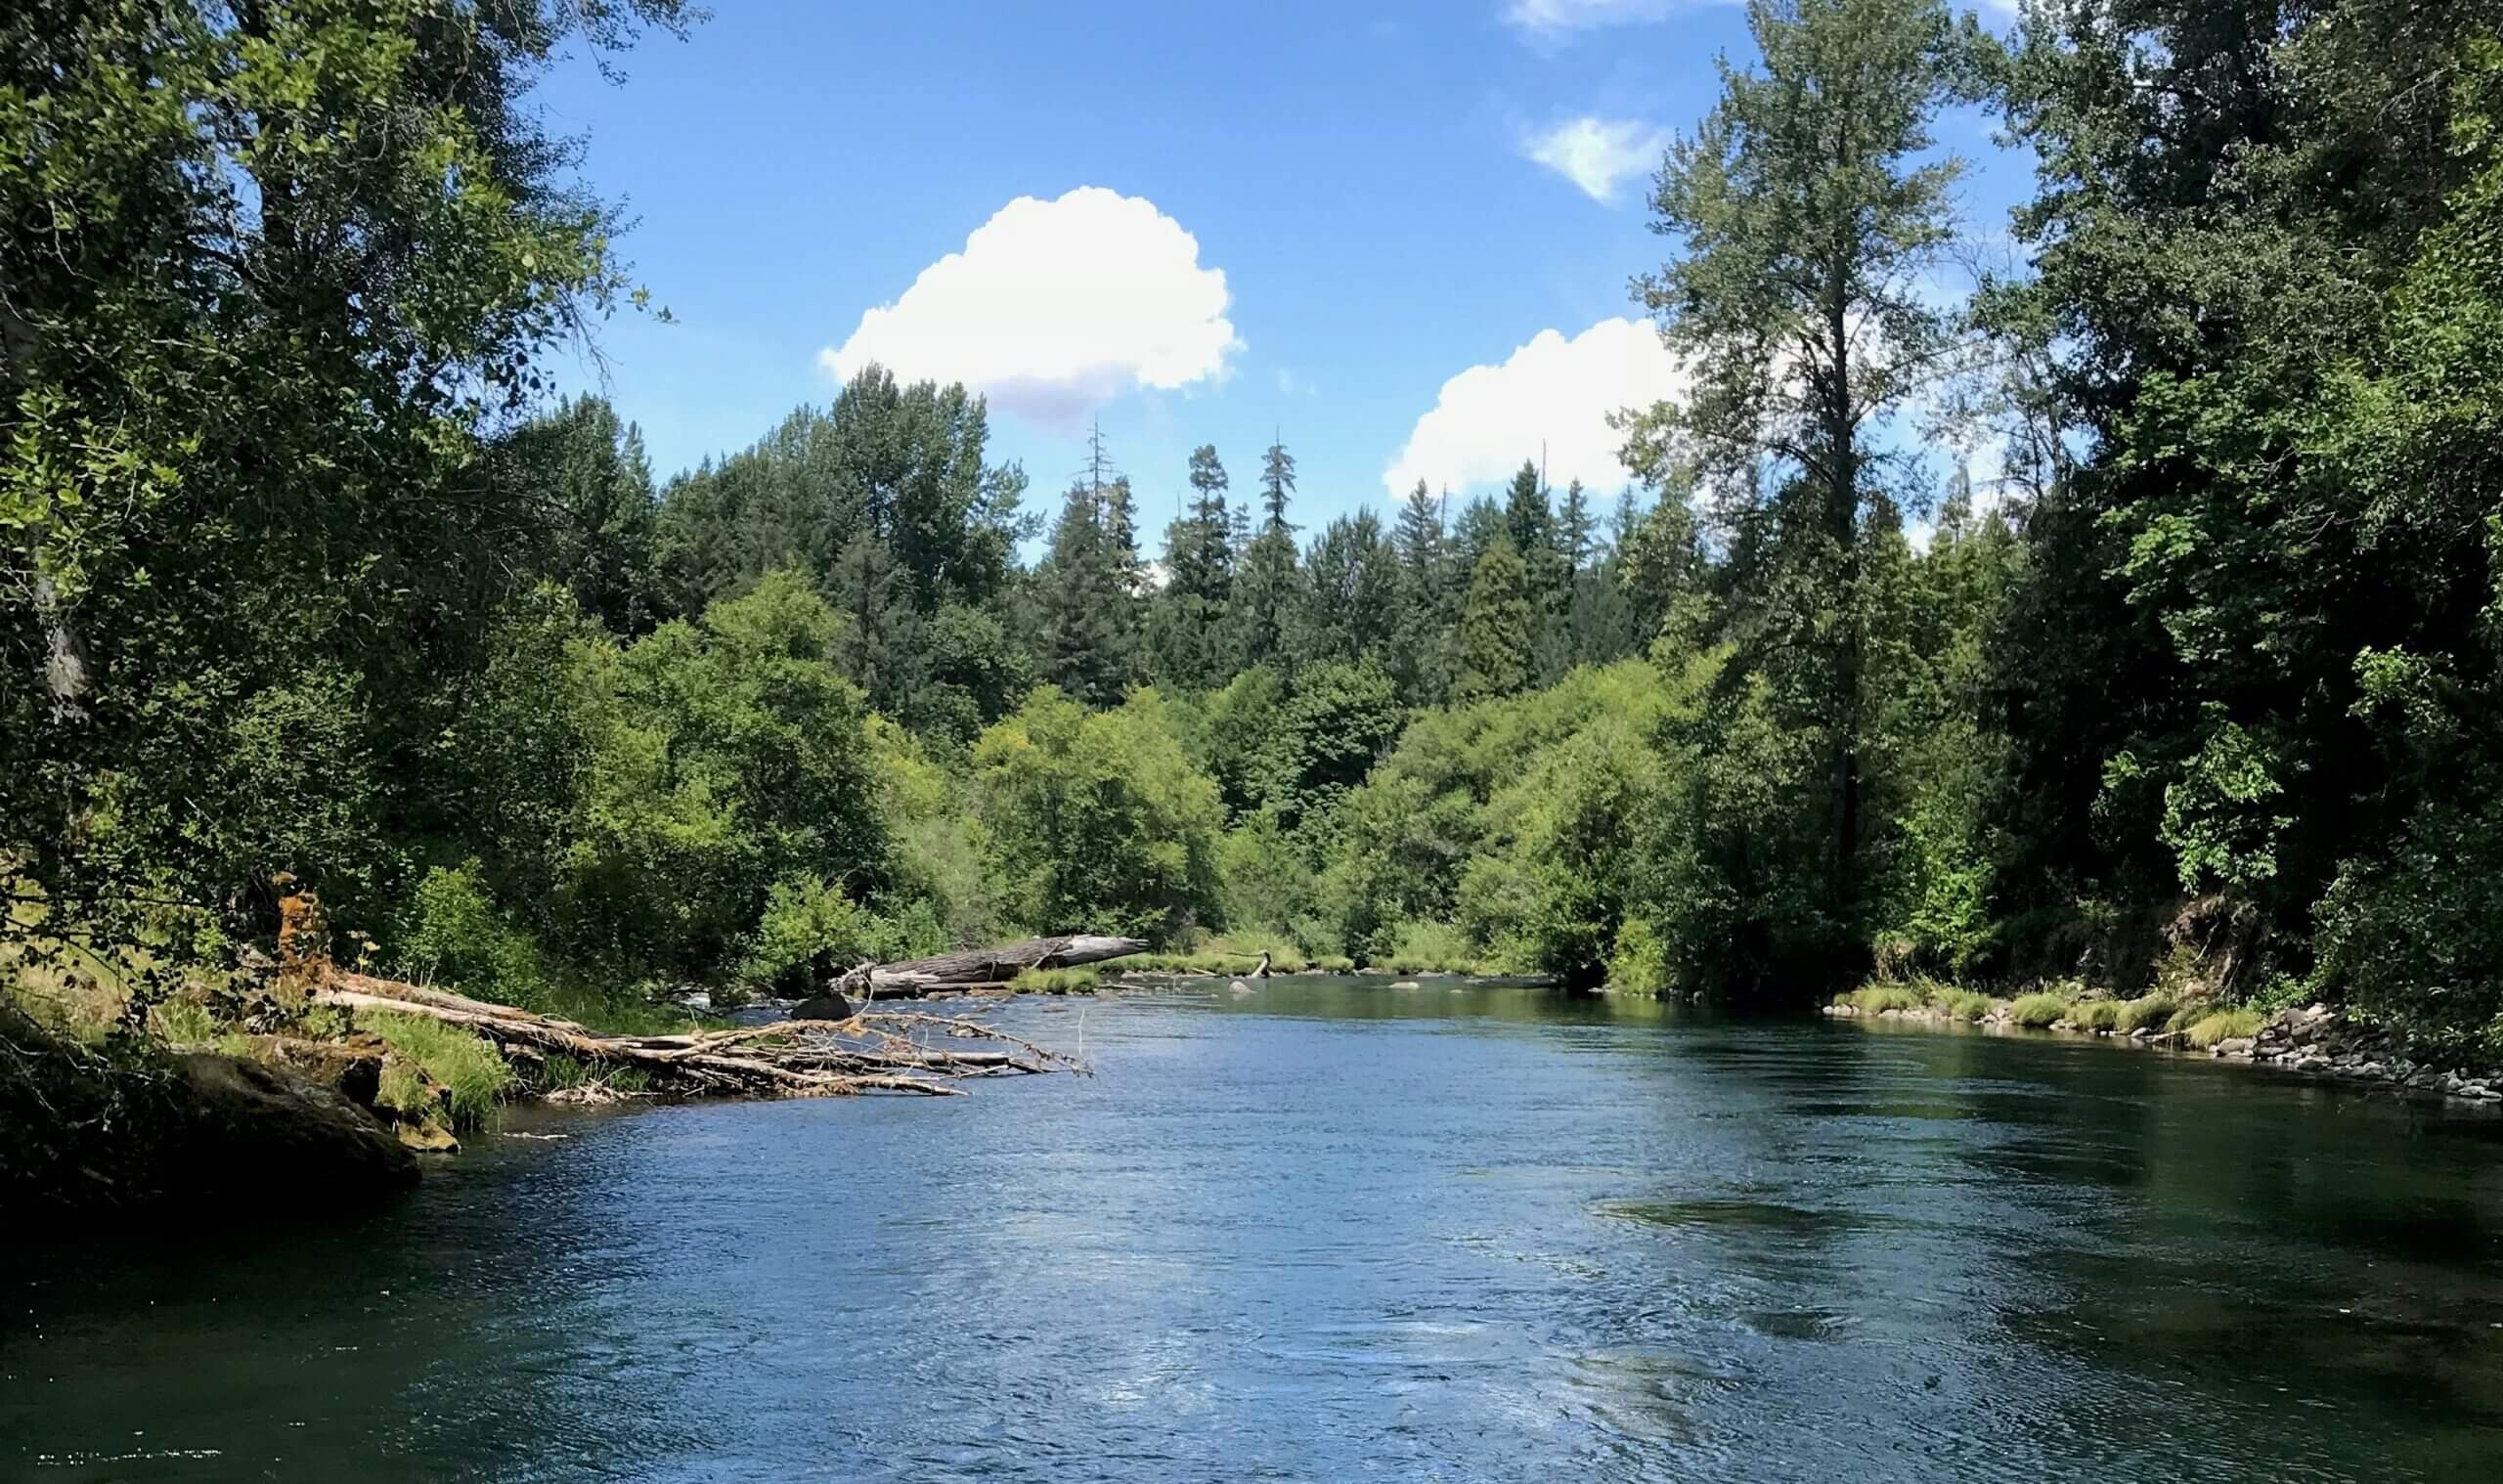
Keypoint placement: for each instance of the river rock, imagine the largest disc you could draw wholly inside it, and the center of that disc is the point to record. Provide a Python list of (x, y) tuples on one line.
[(828, 1006), (2235, 1046)]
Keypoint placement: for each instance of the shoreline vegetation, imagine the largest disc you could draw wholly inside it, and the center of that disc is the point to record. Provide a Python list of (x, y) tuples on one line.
[(2312, 1039)]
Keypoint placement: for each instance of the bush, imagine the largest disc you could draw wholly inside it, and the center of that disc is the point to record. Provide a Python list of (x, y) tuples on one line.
[(810, 928), (1640, 962), (1263, 882), (2039, 1010), (473, 1071), (453, 934), (2144, 1011), (2224, 1025), (1875, 999), (1098, 821)]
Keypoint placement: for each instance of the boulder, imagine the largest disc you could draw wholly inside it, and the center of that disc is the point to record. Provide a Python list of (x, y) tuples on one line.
[(828, 1006)]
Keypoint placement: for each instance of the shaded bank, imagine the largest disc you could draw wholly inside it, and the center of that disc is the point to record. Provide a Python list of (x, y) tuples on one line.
[(84, 1134), (2314, 1040)]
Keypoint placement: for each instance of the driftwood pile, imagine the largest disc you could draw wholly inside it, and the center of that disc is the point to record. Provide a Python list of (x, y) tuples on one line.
[(868, 1052)]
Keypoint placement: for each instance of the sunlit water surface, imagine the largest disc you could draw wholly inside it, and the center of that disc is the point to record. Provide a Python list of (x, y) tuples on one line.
[(1334, 1231)]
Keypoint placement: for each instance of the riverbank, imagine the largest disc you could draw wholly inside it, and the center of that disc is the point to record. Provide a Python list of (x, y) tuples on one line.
[(89, 1134), (2310, 1040)]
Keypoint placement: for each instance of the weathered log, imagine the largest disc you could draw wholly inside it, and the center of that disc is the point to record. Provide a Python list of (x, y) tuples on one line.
[(788, 1059), (992, 966)]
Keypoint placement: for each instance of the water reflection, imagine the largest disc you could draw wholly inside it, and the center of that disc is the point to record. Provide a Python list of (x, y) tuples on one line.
[(1331, 1230)]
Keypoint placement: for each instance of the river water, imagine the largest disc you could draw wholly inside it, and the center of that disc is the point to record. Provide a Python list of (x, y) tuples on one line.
[(1331, 1230)]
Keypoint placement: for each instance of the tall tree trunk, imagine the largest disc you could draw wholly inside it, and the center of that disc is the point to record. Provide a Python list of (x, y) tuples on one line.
[(1842, 515)]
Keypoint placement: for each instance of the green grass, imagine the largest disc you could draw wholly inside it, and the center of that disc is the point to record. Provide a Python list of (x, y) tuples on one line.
[(1332, 963), (1873, 999), (2224, 1025), (2096, 1015), (1967, 1004), (1054, 981), (2144, 1011), (2039, 1010), (468, 1065), (560, 1073), (618, 1015), (1432, 947), (1218, 955)]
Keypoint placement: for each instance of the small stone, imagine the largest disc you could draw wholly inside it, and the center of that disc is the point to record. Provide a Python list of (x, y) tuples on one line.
[(427, 1138)]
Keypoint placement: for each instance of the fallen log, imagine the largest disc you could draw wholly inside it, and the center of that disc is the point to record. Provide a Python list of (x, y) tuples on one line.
[(868, 1052), (995, 966)]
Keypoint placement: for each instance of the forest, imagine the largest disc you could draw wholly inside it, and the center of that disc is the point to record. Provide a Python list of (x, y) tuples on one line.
[(309, 581)]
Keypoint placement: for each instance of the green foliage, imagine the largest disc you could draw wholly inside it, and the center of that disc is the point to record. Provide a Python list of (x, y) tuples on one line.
[(1264, 884), (1875, 999), (2147, 1009), (1495, 631), (811, 931), (301, 571), (1639, 963), (455, 936), (1429, 947), (560, 1073), (1098, 821)]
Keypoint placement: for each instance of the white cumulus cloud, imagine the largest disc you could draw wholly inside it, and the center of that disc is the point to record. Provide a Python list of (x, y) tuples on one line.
[(1551, 391), (1055, 307), (1598, 154)]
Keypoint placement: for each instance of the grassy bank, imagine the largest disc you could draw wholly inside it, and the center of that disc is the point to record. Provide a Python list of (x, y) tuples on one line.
[(2198, 1023)]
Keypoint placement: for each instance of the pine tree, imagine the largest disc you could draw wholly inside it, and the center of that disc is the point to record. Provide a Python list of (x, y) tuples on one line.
[(1277, 486), (1200, 553), (1270, 584), (1188, 638), (1351, 591), (1495, 627), (1086, 641)]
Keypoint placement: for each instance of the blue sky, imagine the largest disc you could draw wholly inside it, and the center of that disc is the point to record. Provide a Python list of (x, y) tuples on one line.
[(1393, 195)]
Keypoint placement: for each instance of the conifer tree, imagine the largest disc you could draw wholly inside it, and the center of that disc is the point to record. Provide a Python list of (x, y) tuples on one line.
[(1495, 627), (1269, 588)]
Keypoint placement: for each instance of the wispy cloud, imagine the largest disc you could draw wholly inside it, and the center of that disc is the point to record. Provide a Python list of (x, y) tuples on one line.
[(1598, 154), (1557, 18)]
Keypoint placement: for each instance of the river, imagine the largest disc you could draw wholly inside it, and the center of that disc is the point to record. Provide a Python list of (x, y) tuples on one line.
[(1332, 1231)]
